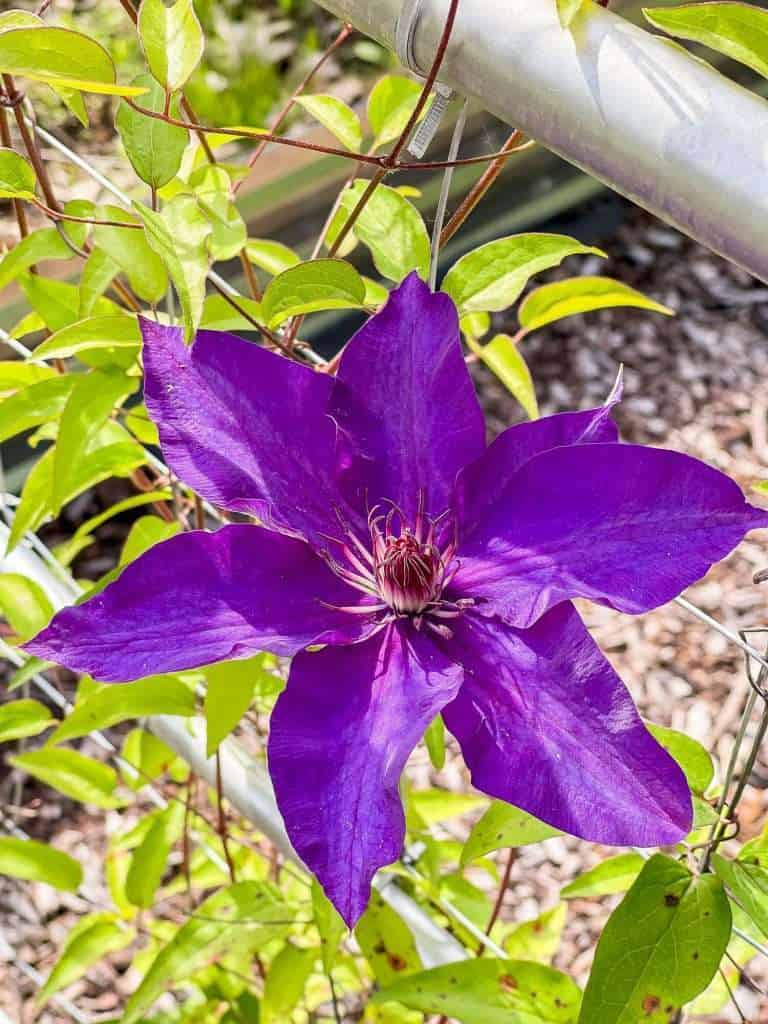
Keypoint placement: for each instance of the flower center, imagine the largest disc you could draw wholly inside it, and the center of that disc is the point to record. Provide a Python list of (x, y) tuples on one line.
[(405, 569), (409, 574)]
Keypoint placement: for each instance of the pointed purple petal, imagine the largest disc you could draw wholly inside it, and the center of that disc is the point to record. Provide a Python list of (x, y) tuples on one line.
[(623, 525), (482, 483), (245, 428), (406, 400), (545, 723), (340, 735), (203, 597)]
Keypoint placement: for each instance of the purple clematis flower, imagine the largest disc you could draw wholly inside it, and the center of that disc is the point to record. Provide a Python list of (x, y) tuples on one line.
[(436, 572)]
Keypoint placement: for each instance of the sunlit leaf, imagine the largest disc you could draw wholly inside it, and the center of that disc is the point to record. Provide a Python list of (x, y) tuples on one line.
[(329, 924), (386, 942), (580, 295), (334, 114), (434, 740), (108, 705), (228, 696), (148, 755), (172, 40), (273, 257), (616, 874), (94, 937), (748, 882), (132, 254), (538, 939), (73, 774), (24, 604), (435, 805), (61, 57), (58, 302), (692, 757), (503, 825), (220, 315), (150, 859), (312, 286), (492, 277), (391, 227), (236, 917), (490, 992), (738, 30), (287, 978), (144, 534), (22, 718), (154, 147), (212, 187), (390, 105), (503, 357), (179, 235), (17, 176), (661, 946), (105, 333), (43, 244), (39, 862)]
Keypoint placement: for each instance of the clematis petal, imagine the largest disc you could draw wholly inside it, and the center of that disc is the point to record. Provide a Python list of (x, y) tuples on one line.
[(482, 482), (203, 597), (404, 397), (340, 735), (246, 428), (545, 723), (623, 525)]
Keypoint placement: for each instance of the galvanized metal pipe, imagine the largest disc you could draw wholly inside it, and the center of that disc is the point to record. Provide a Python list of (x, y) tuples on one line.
[(642, 115)]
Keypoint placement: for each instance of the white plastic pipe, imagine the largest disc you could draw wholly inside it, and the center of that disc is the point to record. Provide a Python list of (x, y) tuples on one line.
[(630, 108)]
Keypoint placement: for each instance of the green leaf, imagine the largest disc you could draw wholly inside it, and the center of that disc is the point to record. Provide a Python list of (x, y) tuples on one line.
[(580, 295), (503, 825), (19, 19), (38, 403), (144, 534), (286, 981), (503, 357), (97, 275), (129, 250), (539, 939), (475, 326), (434, 739), (490, 992), (390, 105), (334, 114), (106, 706), (38, 862), (748, 883), (17, 176), (58, 302), (761, 487), (15, 375), (88, 407), (72, 774), (150, 859), (94, 937), (568, 9), (273, 257), (33, 507), (435, 805), (108, 334), (82, 536), (236, 917), (44, 244), (172, 40), (660, 948), (228, 696), (492, 277), (312, 286), (179, 235), (22, 718), (154, 147), (329, 925), (738, 30), (692, 757), (219, 315), (60, 57), (229, 234), (616, 874), (386, 942), (24, 604), (391, 227), (148, 755)]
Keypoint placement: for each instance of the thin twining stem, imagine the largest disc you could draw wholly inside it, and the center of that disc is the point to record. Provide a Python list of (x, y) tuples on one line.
[(60, 215), (344, 34), (18, 205)]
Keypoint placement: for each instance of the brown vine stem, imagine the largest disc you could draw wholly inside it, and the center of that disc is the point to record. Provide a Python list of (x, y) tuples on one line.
[(58, 214), (222, 821), (18, 205), (481, 187), (344, 34), (30, 143), (389, 162)]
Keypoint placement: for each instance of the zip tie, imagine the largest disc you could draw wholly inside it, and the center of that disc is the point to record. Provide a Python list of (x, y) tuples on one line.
[(405, 33)]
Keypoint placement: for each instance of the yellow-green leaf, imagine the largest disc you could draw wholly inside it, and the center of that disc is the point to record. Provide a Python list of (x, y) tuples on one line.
[(334, 114), (502, 355), (172, 40), (22, 718), (581, 295), (39, 862), (17, 176)]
